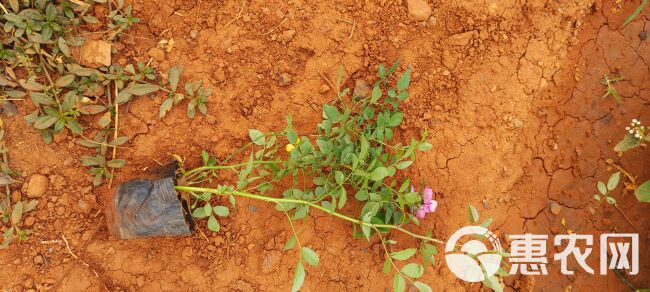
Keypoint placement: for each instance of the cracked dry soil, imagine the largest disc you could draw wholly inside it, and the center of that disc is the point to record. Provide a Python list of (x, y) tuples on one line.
[(509, 91)]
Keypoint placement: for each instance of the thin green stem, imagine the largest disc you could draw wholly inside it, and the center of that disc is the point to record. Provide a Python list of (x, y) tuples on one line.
[(383, 245), (246, 146), (301, 202), (233, 166), (293, 229)]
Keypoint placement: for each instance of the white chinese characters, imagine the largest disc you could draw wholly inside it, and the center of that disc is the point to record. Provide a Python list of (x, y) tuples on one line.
[(618, 251)]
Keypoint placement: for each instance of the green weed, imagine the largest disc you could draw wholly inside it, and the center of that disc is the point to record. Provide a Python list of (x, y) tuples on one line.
[(11, 214), (637, 135), (37, 52), (351, 159), (610, 88)]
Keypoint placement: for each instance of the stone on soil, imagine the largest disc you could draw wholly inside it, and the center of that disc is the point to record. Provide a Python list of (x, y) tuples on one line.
[(419, 10), (461, 39), (96, 53), (555, 208)]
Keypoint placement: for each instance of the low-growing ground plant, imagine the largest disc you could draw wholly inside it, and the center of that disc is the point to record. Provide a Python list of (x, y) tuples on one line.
[(636, 136), (611, 90), (39, 62), (351, 160), (11, 214)]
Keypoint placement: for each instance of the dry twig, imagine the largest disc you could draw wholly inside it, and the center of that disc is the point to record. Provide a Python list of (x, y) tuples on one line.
[(273, 29)]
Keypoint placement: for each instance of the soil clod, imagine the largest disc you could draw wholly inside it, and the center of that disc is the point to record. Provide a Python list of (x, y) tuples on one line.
[(419, 10), (37, 186)]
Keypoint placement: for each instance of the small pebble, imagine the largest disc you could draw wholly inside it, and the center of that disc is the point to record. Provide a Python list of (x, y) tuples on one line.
[(284, 79), (323, 88), (38, 260), (555, 208), (37, 186)]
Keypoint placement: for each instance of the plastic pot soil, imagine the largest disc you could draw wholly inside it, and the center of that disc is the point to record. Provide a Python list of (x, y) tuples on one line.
[(149, 207)]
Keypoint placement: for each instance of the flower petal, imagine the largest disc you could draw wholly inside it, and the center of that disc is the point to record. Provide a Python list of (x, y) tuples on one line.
[(421, 212), (428, 195), (432, 206)]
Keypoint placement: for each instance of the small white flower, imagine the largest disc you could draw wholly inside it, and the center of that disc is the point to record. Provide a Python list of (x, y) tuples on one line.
[(637, 136), (631, 131), (627, 128), (634, 121)]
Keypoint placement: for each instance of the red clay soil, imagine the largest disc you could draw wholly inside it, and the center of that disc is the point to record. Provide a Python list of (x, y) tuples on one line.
[(510, 93)]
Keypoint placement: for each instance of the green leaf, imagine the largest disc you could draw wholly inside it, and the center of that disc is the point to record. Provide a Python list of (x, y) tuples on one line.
[(92, 109), (174, 75), (331, 113), (425, 146), (64, 80), (90, 19), (309, 256), (105, 120), (17, 213), (31, 84), (343, 198), (191, 109), (340, 177), (395, 119), (413, 270), (492, 283), (199, 213), (119, 141), (412, 197), (292, 136), (399, 284), (30, 206), (404, 164), (601, 187), (612, 183), (642, 193), (290, 243), (221, 211), (45, 122), (379, 173), (92, 160), (487, 222), (422, 287), (404, 81), (143, 89), (298, 277), (257, 137), (213, 224), (376, 93), (324, 146), (364, 228), (165, 107), (627, 143), (116, 163), (403, 255), (472, 213), (597, 198), (63, 47), (42, 98), (610, 200), (386, 268), (428, 251), (14, 5)]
